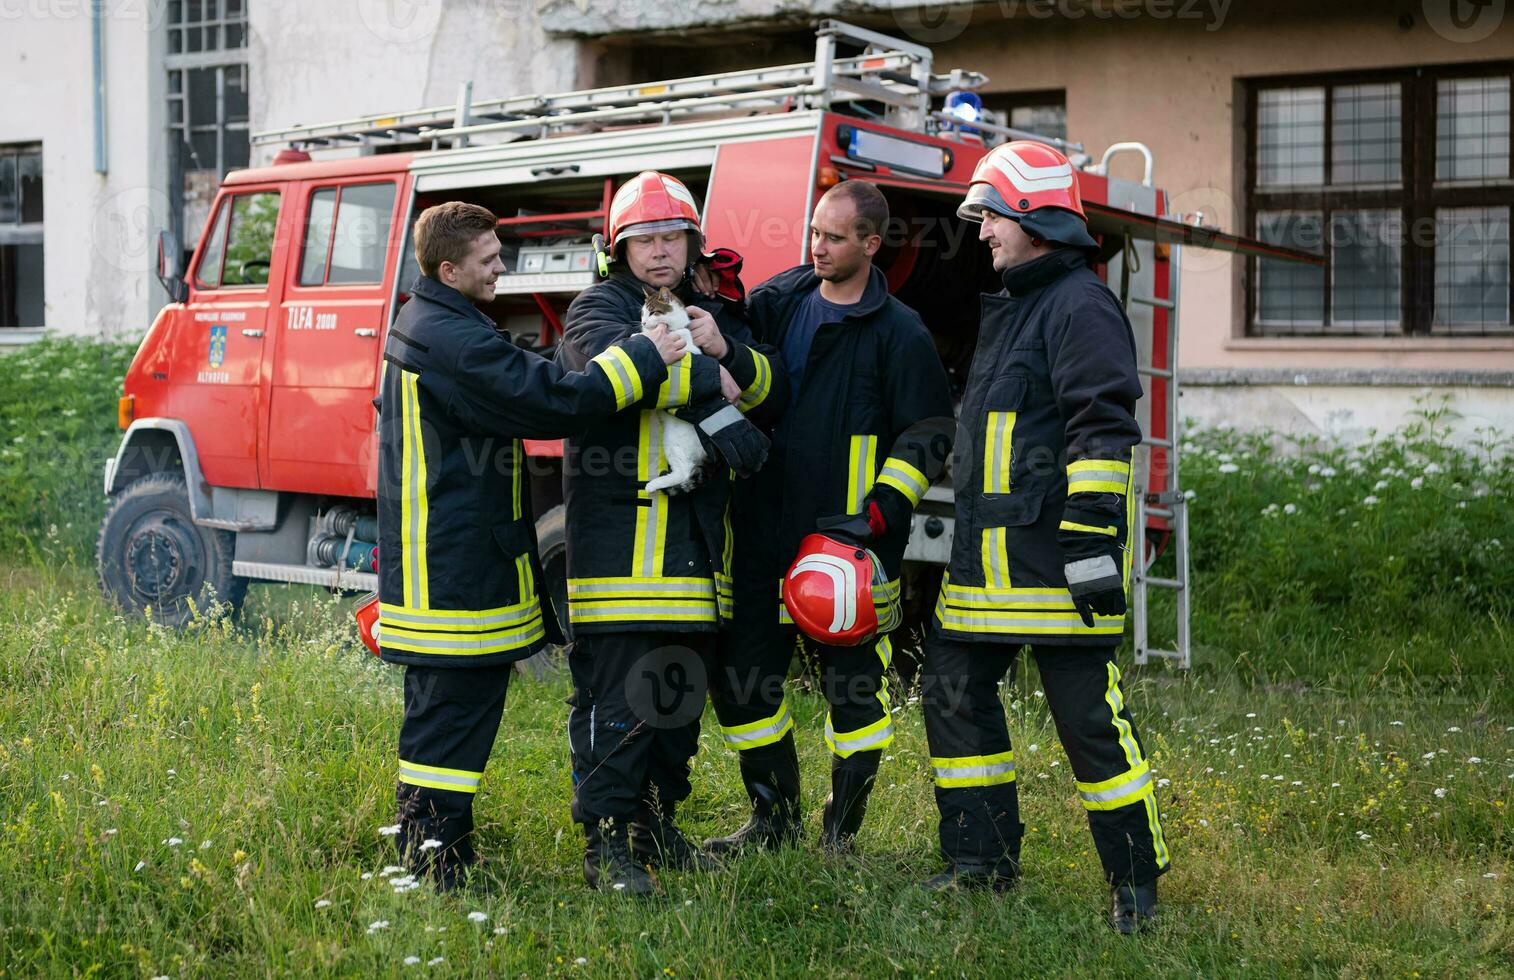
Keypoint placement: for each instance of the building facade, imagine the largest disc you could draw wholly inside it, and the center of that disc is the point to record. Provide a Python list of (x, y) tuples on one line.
[(1376, 133)]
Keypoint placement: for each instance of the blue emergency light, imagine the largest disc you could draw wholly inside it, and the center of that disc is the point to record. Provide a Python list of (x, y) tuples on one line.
[(967, 107)]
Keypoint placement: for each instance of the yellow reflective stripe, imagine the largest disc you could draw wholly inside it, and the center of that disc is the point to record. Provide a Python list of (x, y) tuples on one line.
[(458, 620), (463, 644), (635, 587), (435, 777), (641, 612), (1098, 476), (1132, 535), (649, 546), (955, 772), (1135, 784), (859, 471), (997, 444), (757, 392), (1110, 530), (676, 390), (634, 599), (878, 735), (1027, 623), (905, 478), (518, 456), (1025, 597), (995, 558), (1154, 823), (621, 371), (755, 735), (1122, 790), (414, 504)]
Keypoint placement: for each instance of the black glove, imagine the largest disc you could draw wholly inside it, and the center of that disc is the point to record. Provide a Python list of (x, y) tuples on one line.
[(724, 429), (853, 529), (1091, 536)]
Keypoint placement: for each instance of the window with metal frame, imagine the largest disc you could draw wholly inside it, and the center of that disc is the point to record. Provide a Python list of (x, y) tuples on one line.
[(239, 249), (1401, 179), (21, 290), (347, 235), (207, 103)]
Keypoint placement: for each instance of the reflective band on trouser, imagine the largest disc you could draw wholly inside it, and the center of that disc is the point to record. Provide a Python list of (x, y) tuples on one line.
[(998, 439), (757, 392), (878, 735), (974, 770), (634, 599), (621, 372), (1122, 790), (759, 733), (675, 391), (859, 471), (1132, 749), (996, 558), (651, 531), (1098, 476), (435, 777), (903, 477), (414, 505)]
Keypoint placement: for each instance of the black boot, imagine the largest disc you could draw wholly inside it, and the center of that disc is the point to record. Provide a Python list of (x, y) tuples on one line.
[(656, 840), (962, 877), (851, 782), (771, 777), (1132, 907), (608, 864)]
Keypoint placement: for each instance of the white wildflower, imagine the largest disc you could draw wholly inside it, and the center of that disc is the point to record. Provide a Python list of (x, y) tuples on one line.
[(412, 960), (433, 961), (1370, 501), (378, 924), (1380, 485), (1229, 468), (322, 903), (1454, 728), (478, 917), (174, 841), (1474, 760), (1440, 792), (1327, 471), (580, 961), (430, 844), (1416, 483), (139, 867), (390, 831), (1432, 468)]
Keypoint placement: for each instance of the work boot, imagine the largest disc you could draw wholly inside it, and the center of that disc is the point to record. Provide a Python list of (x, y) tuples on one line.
[(774, 823), (608, 864), (656, 840), (966, 877), (1132, 907), (851, 782)]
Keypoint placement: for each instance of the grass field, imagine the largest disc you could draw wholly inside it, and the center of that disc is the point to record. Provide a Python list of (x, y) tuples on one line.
[(210, 804), (1336, 772)]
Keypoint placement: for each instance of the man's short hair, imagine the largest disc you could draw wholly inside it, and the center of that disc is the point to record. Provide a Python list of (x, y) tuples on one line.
[(868, 200), (444, 233)]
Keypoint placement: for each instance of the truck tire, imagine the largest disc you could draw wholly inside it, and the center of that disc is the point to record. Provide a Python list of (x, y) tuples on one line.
[(151, 554), (552, 543)]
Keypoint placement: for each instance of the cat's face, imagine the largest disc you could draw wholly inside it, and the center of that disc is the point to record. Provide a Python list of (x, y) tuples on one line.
[(660, 301)]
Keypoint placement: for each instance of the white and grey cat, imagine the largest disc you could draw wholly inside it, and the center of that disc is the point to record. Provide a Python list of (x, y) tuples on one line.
[(680, 440)]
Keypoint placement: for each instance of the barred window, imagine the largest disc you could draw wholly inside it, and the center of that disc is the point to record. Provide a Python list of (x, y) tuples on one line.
[(1401, 180)]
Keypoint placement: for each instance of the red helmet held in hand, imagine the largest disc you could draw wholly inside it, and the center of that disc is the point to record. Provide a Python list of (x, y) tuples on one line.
[(837, 593), (367, 616)]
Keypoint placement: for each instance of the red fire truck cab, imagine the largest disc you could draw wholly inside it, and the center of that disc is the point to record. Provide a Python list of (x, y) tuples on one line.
[(250, 445)]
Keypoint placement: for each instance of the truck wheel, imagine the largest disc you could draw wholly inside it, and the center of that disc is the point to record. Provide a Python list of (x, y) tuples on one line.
[(552, 541), (150, 554)]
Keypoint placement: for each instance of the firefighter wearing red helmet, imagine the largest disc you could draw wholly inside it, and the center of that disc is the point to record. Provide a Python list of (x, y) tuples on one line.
[(649, 577), (1043, 542)]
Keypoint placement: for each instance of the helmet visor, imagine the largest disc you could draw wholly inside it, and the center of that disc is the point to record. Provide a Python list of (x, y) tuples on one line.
[(981, 197), (655, 227)]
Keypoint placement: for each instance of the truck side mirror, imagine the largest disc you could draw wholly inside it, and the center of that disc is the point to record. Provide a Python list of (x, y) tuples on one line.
[(169, 273)]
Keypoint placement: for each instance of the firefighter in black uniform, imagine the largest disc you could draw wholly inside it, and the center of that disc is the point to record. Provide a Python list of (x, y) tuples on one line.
[(867, 429), (459, 571), (1043, 542), (649, 574)]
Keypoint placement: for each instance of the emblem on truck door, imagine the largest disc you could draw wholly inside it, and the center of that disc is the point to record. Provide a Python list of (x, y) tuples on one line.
[(217, 344)]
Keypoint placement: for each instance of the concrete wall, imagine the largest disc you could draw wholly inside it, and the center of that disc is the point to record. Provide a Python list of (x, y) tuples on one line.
[(316, 62), (98, 229)]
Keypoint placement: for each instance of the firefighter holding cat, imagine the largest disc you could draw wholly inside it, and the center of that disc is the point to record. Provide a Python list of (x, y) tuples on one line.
[(649, 574), (866, 428), (1043, 543)]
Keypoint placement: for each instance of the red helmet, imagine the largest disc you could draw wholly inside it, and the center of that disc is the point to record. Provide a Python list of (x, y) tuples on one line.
[(367, 615), (651, 202), (1033, 184), (836, 593)]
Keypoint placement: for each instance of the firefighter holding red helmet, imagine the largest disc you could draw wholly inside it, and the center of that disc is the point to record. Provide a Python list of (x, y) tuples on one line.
[(1043, 542), (649, 577)]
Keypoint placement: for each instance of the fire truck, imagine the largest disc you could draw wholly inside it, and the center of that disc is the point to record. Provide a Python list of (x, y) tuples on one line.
[(250, 444)]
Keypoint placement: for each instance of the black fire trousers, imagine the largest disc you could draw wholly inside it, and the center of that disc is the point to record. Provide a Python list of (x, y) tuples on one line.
[(974, 766), (634, 724), (451, 717)]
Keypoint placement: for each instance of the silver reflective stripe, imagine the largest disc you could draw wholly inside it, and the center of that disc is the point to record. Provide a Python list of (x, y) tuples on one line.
[(766, 731), (1005, 599), (996, 453), (701, 591), (975, 772), (601, 608), (472, 620), (1124, 789), (461, 782), (451, 643), (729, 415), (1091, 569), (675, 385), (853, 744), (906, 478), (612, 363), (1102, 476)]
